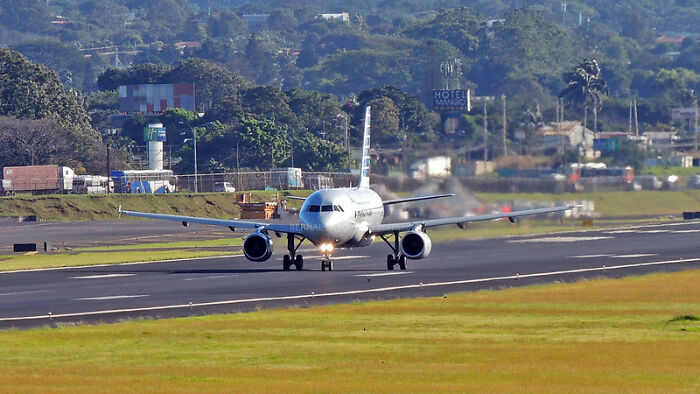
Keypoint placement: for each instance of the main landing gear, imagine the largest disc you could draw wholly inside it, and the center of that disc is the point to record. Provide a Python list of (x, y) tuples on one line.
[(397, 258), (292, 258)]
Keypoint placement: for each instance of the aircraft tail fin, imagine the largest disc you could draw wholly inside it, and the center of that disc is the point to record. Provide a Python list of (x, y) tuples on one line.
[(364, 167)]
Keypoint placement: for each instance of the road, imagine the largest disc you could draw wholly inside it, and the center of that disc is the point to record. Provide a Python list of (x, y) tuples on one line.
[(233, 284)]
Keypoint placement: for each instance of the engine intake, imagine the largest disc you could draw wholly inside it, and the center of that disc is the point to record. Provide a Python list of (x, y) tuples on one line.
[(416, 245), (257, 247)]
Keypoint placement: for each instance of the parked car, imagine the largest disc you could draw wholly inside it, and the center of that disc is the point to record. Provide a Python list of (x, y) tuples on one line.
[(224, 187)]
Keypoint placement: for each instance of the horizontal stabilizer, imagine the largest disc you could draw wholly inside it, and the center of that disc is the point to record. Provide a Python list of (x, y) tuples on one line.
[(411, 199)]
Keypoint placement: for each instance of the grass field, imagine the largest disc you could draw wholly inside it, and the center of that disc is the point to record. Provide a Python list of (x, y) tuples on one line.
[(54, 260), (616, 204), (632, 335)]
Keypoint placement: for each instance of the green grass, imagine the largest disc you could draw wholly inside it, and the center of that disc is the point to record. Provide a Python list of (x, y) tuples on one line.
[(104, 207), (209, 243), (664, 171), (616, 204), (590, 336), (54, 260)]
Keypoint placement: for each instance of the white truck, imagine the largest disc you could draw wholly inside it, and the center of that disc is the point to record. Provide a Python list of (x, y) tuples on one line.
[(431, 167)]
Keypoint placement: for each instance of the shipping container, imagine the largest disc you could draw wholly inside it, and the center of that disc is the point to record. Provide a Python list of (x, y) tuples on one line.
[(37, 179)]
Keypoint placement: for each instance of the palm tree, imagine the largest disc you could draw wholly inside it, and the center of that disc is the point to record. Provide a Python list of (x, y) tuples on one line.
[(586, 86)]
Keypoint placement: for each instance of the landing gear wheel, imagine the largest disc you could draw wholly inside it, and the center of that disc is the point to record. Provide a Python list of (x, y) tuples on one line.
[(286, 262), (402, 263), (299, 262), (327, 263), (390, 262)]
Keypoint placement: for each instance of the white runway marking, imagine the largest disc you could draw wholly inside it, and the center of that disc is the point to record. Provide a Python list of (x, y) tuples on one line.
[(632, 256), (685, 231), (102, 276), (117, 297), (349, 292), (385, 274), (306, 258), (557, 239), (212, 277), (591, 256), (23, 292)]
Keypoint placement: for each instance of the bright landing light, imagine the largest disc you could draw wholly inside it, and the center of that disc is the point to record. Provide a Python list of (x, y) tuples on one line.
[(326, 248)]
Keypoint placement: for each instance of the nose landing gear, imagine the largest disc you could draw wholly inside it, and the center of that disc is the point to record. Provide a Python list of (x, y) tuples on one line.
[(327, 263)]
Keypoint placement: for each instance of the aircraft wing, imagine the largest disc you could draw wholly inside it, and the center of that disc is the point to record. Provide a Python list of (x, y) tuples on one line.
[(231, 224), (410, 199), (460, 221)]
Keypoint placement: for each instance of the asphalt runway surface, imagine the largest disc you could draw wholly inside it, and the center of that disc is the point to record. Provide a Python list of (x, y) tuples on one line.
[(234, 284)]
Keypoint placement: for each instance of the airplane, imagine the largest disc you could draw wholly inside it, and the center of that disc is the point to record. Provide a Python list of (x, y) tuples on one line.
[(345, 217)]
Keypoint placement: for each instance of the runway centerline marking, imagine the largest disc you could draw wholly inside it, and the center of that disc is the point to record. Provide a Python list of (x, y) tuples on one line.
[(590, 256), (105, 276), (558, 239), (212, 277), (632, 256), (385, 274), (348, 292), (116, 297)]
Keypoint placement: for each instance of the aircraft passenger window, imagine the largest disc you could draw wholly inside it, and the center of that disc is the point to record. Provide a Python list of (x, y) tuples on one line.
[(314, 208), (327, 208)]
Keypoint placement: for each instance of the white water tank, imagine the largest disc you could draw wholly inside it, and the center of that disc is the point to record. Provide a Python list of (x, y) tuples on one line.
[(155, 136)]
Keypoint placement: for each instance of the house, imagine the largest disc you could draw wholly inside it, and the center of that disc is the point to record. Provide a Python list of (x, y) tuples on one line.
[(569, 134), (340, 17)]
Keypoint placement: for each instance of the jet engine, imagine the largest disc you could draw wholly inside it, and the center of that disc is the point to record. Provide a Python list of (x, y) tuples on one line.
[(416, 245), (257, 247)]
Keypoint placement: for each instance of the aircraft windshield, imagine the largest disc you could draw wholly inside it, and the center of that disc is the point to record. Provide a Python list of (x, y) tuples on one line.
[(327, 208), (314, 208)]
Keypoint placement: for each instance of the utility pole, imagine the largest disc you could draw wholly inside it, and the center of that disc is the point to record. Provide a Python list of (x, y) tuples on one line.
[(194, 134), (505, 148), (636, 118), (486, 133), (695, 132)]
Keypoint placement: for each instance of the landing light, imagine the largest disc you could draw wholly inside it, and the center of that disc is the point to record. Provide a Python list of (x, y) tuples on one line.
[(327, 248)]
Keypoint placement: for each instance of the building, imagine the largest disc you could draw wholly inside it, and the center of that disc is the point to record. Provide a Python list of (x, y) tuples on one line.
[(340, 17), (570, 134)]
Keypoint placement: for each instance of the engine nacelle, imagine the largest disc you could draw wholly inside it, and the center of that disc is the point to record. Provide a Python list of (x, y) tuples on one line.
[(257, 247), (416, 245)]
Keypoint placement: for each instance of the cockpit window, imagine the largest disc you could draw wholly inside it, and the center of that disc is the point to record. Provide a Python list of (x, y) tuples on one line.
[(327, 208), (337, 208), (314, 208)]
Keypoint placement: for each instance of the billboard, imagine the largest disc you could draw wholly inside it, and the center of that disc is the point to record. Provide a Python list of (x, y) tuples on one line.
[(154, 133), (683, 113), (155, 98), (452, 100)]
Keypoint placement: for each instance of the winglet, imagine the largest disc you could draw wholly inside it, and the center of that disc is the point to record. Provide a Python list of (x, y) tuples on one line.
[(364, 167)]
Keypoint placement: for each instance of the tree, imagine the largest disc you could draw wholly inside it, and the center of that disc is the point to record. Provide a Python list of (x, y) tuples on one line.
[(226, 24), (31, 91), (585, 86), (33, 142)]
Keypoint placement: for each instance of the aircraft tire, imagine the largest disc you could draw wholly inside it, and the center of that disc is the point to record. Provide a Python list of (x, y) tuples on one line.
[(390, 262), (286, 262), (323, 265), (402, 263), (299, 262), (330, 265)]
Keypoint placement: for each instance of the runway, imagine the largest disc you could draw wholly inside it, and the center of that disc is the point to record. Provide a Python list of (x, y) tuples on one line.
[(233, 284)]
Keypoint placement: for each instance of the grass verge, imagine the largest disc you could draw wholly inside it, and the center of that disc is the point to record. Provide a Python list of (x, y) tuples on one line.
[(603, 335), (55, 260)]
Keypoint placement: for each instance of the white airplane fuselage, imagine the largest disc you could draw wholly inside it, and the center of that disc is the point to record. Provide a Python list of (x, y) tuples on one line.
[(341, 216)]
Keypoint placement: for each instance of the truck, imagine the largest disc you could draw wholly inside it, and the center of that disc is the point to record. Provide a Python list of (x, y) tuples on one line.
[(286, 178), (431, 167), (43, 179), (92, 184)]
